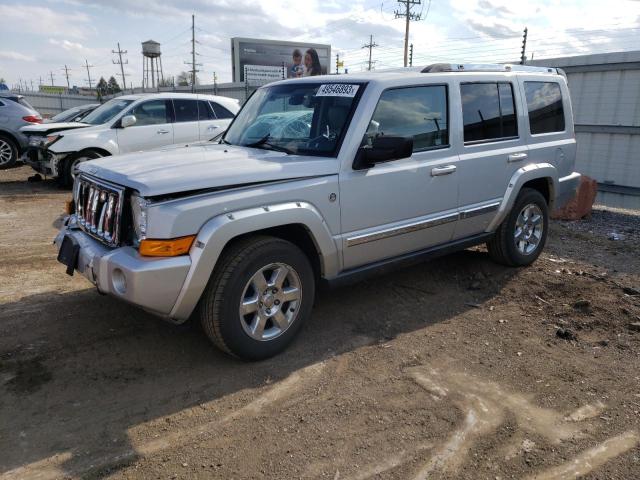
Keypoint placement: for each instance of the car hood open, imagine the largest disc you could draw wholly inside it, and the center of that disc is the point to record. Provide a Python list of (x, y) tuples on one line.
[(202, 167), (47, 128)]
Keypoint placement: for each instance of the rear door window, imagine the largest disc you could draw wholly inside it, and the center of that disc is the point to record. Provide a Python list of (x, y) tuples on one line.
[(418, 112), (186, 110), (544, 102), (204, 111), (488, 111)]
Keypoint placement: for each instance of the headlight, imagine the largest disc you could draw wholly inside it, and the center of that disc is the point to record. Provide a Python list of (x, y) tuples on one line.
[(50, 140), (139, 214), (35, 141)]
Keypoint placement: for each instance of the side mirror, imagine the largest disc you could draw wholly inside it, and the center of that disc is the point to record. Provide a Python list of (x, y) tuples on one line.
[(128, 121), (383, 149)]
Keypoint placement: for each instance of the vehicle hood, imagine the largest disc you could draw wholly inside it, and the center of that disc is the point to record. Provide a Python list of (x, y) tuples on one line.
[(47, 128), (204, 167)]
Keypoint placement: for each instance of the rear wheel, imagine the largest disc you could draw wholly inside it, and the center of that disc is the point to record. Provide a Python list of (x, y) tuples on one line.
[(258, 297), (8, 152), (70, 168), (520, 239)]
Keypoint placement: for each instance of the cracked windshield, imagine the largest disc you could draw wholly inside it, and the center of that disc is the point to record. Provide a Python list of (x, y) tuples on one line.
[(307, 118)]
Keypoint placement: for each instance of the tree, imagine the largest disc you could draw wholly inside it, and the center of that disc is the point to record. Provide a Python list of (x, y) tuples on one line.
[(102, 88), (168, 81), (112, 86), (184, 79)]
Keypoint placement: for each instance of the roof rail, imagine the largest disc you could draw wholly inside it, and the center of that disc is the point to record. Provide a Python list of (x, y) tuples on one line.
[(485, 67)]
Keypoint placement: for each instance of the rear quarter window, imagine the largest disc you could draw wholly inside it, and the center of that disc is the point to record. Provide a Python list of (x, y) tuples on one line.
[(220, 111), (544, 103)]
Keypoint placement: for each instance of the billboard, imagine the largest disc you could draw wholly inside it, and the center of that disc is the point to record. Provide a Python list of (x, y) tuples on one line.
[(265, 61)]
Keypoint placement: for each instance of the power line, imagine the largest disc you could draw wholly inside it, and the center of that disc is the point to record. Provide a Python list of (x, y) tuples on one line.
[(193, 54), (86, 64), (408, 15), (66, 74), (370, 46), (119, 62)]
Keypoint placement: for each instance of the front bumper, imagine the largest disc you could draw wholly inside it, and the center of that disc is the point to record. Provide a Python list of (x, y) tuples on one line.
[(151, 283), (42, 160), (567, 188)]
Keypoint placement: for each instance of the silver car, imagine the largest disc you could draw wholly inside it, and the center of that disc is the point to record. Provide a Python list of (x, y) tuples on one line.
[(15, 113), (325, 180)]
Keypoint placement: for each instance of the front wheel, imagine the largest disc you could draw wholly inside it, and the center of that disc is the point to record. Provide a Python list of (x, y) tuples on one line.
[(258, 297), (70, 168), (520, 239)]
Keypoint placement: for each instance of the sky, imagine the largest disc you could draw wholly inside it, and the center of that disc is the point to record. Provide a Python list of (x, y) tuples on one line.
[(39, 37)]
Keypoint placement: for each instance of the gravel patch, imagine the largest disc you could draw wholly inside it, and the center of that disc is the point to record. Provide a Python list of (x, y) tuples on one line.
[(615, 224)]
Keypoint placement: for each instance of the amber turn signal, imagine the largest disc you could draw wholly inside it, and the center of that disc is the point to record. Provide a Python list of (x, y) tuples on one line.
[(166, 248)]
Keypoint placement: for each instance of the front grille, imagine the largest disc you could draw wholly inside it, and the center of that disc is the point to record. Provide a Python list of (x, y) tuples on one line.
[(99, 209)]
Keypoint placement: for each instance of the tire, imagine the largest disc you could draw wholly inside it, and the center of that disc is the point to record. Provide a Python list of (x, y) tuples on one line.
[(505, 248), (8, 152), (279, 311), (70, 164)]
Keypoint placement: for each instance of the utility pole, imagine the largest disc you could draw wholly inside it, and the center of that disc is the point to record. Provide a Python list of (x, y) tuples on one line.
[(51, 77), (86, 63), (411, 55), (523, 57), (370, 46), (337, 63), (66, 74), (121, 63), (215, 83), (408, 4), (193, 54)]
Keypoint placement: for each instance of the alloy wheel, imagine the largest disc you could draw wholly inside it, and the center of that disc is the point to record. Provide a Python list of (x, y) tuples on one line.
[(6, 152), (529, 228), (270, 301)]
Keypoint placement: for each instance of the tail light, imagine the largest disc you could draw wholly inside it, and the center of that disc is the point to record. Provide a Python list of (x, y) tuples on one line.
[(33, 119)]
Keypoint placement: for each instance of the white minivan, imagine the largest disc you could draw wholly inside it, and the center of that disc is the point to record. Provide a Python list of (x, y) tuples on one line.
[(126, 124)]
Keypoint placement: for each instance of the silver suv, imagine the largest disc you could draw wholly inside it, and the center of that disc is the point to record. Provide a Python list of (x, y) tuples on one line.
[(15, 113), (325, 180)]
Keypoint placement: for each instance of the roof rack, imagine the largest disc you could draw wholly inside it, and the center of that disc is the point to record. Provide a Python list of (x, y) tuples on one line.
[(486, 67)]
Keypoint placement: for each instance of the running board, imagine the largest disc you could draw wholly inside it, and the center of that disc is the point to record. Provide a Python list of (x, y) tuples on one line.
[(382, 267)]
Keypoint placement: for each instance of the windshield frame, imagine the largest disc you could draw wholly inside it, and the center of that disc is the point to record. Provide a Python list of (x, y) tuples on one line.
[(336, 150), (115, 116)]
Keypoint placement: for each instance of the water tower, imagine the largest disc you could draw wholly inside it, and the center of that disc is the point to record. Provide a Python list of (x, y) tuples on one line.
[(151, 64)]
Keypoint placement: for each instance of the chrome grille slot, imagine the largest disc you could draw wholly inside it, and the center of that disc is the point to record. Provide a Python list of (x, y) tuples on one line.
[(99, 209)]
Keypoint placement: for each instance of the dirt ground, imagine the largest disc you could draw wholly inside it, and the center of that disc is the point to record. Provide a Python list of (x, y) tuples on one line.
[(454, 369)]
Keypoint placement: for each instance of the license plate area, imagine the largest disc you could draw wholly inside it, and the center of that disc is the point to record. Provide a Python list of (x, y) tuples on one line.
[(68, 254)]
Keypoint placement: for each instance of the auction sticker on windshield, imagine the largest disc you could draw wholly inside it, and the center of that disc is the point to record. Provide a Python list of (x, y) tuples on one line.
[(337, 90)]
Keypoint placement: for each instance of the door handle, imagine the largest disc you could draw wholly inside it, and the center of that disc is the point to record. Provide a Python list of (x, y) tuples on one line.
[(446, 170), (212, 127), (517, 157), (162, 132)]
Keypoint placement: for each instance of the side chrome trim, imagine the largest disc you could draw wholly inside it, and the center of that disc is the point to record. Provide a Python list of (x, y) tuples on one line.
[(474, 212), (395, 231), (421, 225)]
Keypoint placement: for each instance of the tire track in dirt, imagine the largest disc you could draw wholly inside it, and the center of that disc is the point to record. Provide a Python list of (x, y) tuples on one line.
[(65, 465), (485, 405)]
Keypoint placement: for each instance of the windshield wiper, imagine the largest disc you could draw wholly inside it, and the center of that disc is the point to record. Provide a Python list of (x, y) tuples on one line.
[(264, 142)]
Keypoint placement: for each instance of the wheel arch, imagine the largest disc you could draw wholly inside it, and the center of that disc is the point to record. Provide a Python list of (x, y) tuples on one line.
[(298, 222), (542, 177), (100, 151)]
